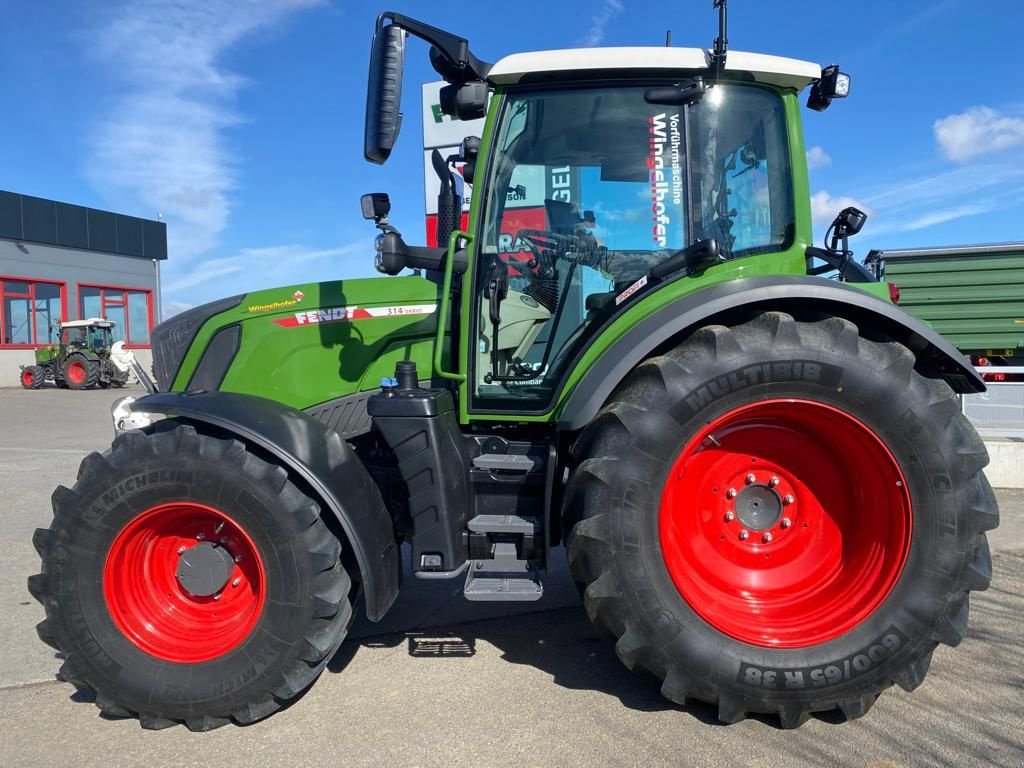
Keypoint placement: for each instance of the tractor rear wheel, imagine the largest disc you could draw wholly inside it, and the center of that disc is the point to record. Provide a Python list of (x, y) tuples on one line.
[(187, 581), (32, 376), (780, 517), (80, 372)]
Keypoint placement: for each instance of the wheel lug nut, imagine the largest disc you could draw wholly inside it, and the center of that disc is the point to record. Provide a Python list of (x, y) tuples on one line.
[(767, 538), (786, 522), (236, 582), (223, 539), (750, 479), (238, 558), (200, 535), (744, 535), (731, 493), (180, 550), (729, 517), (788, 500), (773, 482), (217, 596)]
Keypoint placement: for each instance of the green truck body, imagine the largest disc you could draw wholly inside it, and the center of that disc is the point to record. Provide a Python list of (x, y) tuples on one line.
[(972, 295)]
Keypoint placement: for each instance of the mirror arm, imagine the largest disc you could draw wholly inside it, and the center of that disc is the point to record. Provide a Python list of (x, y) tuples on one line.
[(455, 50)]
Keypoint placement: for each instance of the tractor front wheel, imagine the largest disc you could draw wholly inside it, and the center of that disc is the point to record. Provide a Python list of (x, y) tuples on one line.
[(32, 377), (80, 372), (187, 581), (780, 517)]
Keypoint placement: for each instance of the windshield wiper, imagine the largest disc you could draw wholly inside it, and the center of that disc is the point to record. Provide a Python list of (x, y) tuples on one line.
[(701, 253)]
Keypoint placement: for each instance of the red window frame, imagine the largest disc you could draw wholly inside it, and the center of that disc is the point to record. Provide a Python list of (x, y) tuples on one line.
[(123, 303), (31, 296)]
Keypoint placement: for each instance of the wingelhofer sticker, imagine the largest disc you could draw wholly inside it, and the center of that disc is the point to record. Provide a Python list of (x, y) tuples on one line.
[(327, 315), (631, 290)]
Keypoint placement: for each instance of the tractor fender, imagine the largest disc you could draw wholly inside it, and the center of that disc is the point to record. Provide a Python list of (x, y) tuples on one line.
[(320, 458), (673, 322)]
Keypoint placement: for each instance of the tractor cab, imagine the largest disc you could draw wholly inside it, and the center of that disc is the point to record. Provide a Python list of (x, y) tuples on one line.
[(94, 334)]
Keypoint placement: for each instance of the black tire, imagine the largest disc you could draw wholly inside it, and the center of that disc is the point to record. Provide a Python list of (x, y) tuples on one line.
[(622, 463), (300, 625), (32, 376), (86, 380)]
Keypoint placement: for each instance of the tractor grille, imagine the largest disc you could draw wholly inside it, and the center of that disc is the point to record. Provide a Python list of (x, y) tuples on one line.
[(172, 338)]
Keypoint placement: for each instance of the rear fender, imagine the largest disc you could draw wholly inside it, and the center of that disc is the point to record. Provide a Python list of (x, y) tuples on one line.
[(320, 458), (671, 324)]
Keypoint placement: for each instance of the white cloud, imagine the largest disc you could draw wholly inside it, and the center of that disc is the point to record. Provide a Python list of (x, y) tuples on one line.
[(978, 131), (161, 143), (818, 158), (824, 207), (256, 268), (599, 22), (940, 217)]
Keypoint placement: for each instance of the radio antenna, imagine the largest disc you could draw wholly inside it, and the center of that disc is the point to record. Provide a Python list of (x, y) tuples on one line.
[(718, 53)]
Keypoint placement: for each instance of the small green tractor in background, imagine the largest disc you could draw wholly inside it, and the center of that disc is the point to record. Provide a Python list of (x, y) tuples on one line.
[(84, 357), (767, 492)]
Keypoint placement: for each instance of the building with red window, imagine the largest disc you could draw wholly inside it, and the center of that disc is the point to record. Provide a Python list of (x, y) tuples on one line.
[(67, 262)]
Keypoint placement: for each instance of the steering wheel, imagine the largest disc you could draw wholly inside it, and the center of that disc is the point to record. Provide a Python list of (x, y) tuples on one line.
[(544, 243)]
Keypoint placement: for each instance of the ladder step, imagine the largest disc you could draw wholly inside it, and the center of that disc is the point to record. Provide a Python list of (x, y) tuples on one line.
[(503, 587), (514, 462), (504, 524)]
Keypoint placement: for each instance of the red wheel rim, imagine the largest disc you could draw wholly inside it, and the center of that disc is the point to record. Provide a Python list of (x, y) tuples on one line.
[(785, 523), (26, 378), (76, 373), (149, 602)]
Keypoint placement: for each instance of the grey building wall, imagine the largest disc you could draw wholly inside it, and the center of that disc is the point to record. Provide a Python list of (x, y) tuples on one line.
[(72, 266)]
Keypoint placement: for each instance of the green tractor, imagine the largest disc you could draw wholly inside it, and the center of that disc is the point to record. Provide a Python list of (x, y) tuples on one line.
[(83, 358), (767, 492)]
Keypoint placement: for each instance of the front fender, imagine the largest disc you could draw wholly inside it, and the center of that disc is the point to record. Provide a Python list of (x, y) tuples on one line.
[(936, 356), (317, 455)]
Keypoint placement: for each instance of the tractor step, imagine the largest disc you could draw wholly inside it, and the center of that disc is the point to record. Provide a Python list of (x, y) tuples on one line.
[(504, 577), (504, 524)]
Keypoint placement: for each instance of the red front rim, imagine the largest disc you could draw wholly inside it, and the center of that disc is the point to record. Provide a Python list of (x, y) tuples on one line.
[(26, 378), (76, 373), (785, 523), (150, 603)]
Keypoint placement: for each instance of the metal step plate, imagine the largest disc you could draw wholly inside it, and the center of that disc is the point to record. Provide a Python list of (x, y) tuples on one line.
[(504, 524), (503, 587)]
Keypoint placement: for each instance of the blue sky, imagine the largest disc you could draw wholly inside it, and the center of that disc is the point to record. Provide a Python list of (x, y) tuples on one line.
[(241, 122)]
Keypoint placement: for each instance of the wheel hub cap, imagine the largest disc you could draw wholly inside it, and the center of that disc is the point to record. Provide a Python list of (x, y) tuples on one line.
[(758, 507), (204, 570)]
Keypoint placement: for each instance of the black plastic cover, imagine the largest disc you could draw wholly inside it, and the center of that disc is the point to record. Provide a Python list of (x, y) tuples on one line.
[(172, 338)]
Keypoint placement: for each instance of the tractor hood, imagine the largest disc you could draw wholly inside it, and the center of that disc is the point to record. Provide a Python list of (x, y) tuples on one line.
[(302, 344)]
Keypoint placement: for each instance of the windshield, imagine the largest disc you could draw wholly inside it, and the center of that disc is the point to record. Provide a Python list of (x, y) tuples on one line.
[(590, 188)]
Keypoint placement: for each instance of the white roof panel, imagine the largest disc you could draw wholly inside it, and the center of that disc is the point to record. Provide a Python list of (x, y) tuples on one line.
[(776, 70)]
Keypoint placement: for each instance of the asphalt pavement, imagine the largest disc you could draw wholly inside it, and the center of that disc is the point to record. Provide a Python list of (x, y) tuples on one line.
[(445, 682)]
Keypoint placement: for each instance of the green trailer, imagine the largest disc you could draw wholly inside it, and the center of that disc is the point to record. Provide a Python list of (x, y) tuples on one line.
[(972, 294)]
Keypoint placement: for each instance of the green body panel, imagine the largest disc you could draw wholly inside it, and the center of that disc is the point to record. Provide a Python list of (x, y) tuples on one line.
[(47, 354), (976, 301), (792, 261), (306, 363)]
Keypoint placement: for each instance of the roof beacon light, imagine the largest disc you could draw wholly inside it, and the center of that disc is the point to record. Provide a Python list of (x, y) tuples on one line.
[(832, 85)]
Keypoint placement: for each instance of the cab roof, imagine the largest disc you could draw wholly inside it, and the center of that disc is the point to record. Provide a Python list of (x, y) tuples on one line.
[(774, 70), (101, 322)]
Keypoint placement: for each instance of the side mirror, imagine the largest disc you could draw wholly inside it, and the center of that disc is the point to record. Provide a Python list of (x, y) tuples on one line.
[(832, 85), (849, 222), (384, 92), (376, 205)]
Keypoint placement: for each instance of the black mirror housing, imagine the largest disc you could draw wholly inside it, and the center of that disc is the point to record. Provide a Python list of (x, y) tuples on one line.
[(833, 84), (384, 92), (375, 205), (465, 101)]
